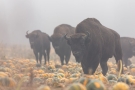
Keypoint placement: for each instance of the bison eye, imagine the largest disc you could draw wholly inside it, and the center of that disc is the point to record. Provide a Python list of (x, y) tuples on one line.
[(82, 44)]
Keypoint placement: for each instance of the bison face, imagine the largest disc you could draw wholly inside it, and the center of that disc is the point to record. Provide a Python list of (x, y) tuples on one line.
[(32, 38), (58, 42), (78, 43)]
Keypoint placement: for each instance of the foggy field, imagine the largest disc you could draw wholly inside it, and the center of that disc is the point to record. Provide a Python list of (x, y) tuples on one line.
[(18, 67), (22, 51)]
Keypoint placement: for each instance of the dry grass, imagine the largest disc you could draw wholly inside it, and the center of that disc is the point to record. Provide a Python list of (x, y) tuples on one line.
[(22, 51), (15, 51)]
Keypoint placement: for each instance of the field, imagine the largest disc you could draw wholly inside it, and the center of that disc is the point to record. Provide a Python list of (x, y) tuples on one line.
[(19, 71)]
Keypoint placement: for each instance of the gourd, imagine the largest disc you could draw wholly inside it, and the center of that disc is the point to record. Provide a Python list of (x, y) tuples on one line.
[(84, 81), (76, 86), (43, 87), (7, 82), (95, 85), (111, 77), (120, 86)]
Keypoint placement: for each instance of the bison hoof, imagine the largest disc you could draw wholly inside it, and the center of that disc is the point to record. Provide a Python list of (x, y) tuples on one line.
[(38, 65)]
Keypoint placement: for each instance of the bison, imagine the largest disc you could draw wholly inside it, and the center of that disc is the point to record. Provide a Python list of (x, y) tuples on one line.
[(62, 49), (94, 43), (128, 49), (40, 43)]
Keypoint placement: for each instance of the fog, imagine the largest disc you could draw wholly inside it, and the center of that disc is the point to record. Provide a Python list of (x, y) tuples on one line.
[(18, 16)]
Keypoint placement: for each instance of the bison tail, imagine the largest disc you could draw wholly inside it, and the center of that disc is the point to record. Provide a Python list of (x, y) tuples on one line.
[(120, 67)]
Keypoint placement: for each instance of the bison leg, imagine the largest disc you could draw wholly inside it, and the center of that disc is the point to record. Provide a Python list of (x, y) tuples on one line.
[(36, 55), (48, 54), (129, 62), (125, 61), (44, 57), (62, 59), (104, 66), (85, 69), (94, 67), (67, 57), (40, 57)]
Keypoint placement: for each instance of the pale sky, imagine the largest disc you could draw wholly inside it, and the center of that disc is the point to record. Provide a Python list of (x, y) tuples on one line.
[(18, 16)]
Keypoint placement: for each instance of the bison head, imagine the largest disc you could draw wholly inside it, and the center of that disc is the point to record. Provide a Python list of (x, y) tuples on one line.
[(32, 38), (78, 43), (58, 41)]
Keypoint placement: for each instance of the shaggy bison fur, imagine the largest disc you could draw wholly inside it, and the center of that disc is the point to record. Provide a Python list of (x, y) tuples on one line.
[(128, 49), (59, 43), (94, 43), (40, 43)]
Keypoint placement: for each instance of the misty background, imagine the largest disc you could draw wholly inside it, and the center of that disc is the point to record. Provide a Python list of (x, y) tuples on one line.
[(18, 16)]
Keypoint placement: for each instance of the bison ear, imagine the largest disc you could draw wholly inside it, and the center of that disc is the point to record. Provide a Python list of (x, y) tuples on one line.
[(27, 36), (87, 34), (67, 39), (87, 37)]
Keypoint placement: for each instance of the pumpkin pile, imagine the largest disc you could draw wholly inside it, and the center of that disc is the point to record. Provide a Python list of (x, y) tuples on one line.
[(18, 73)]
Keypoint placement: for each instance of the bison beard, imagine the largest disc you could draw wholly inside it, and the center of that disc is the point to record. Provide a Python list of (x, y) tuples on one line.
[(96, 44)]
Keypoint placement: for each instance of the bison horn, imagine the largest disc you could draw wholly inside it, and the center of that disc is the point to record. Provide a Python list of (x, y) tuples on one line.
[(65, 36), (88, 34), (27, 32)]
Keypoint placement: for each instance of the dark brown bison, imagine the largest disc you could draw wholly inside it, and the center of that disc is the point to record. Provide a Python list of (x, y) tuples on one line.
[(128, 49), (40, 43), (59, 43), (94, 43)]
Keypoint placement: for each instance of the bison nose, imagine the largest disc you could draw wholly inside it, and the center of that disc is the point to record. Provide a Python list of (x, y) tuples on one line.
[(76, 53)]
